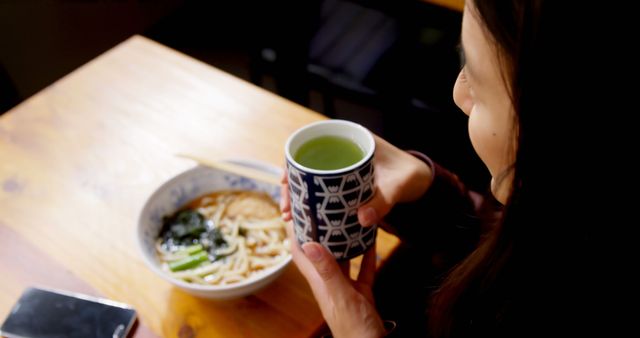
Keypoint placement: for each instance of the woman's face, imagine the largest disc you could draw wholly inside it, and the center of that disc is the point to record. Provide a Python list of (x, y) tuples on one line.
[(481, 93)]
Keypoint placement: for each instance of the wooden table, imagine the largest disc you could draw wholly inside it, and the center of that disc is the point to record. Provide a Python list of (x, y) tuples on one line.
[(79, 159), (456, 5)]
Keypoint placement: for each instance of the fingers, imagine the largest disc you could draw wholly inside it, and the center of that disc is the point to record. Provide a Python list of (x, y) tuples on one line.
[(285, 201), (286, 216), (345, 267), (367, 216), (324, 266), (291, 235), (314, 263), (299, 258), (373, 211), (368, 267)]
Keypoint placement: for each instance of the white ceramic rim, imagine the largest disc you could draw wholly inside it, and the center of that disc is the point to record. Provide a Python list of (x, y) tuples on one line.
[(359, 128), (217, 288)]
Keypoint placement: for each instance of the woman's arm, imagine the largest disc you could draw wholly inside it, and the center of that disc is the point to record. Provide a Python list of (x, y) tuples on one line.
[(445, 219)]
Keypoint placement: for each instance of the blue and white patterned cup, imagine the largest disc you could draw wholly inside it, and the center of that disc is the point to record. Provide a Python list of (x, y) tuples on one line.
[(324, 203)]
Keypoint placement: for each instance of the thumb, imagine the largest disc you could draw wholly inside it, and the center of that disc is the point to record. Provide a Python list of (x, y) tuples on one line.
[(325, 265), (373, 211)]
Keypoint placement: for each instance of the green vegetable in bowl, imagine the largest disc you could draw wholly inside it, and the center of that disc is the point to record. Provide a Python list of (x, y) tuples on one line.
[(189, 262)]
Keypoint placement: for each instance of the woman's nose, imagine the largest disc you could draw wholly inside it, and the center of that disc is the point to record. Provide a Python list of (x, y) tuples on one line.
[(461, 95)]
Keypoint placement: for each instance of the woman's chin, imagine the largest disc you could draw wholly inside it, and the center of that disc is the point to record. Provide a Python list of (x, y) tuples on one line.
[(499, 192)]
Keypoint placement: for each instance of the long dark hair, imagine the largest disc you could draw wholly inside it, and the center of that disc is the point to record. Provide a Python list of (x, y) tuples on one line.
[(532, 265)]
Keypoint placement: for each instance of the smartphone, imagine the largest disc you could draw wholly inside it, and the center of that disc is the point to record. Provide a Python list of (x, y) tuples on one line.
[(47, 313)]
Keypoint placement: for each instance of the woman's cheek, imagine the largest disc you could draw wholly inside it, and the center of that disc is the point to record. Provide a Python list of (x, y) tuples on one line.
[(481, 138)]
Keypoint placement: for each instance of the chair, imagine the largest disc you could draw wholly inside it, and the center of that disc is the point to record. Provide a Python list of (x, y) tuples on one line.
[(399, 58), (363, 51)]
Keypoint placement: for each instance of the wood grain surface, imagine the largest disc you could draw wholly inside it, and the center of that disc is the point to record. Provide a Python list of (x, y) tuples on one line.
[(79, 159), (456, 5)]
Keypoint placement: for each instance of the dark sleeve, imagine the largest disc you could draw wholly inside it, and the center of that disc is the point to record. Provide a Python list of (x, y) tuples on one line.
[(445, 220)]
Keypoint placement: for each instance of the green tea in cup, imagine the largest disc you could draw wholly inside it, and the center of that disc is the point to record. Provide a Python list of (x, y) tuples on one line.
[(328, 153)]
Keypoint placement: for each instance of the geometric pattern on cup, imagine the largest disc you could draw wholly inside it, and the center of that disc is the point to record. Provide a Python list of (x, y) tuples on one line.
[(342, 192), (336, 199), (301, 213), (344, 245)]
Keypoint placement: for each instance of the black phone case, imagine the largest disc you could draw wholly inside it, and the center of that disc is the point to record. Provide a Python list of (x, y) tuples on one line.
[(45, 313)]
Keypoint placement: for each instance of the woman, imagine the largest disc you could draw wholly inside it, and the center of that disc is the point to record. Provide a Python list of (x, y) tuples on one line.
[(529, 268)]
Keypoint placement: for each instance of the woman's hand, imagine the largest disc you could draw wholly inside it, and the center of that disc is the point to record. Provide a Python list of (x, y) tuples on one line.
[(347, 305), (399, 177)]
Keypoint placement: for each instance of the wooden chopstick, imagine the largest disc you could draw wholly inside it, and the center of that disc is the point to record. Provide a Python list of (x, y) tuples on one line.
[(235, 169)]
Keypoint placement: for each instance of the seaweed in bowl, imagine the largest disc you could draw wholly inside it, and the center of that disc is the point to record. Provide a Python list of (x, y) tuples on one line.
[(190, 239), (223, 238)]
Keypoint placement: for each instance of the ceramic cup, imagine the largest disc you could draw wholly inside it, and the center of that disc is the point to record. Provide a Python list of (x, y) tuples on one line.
[(324, 203)]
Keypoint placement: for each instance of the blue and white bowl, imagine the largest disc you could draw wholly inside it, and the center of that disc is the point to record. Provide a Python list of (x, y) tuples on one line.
[(186, 187)]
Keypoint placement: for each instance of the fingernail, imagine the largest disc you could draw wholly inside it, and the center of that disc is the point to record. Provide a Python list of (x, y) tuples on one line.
[(312, 251), (370, 216), (286, 216)]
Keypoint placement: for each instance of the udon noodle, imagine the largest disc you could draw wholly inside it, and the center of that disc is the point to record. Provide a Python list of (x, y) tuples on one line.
[(223, 238)]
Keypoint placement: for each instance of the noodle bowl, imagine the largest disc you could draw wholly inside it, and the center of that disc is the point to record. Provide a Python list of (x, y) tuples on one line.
[(245, 213), (223, 238)]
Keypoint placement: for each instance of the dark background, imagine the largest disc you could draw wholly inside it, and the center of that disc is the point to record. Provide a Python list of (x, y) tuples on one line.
[(389, 65)]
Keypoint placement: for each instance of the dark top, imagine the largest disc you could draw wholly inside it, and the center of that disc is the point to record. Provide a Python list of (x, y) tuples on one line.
[(437, 231), (446, 219), (544, 287)]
